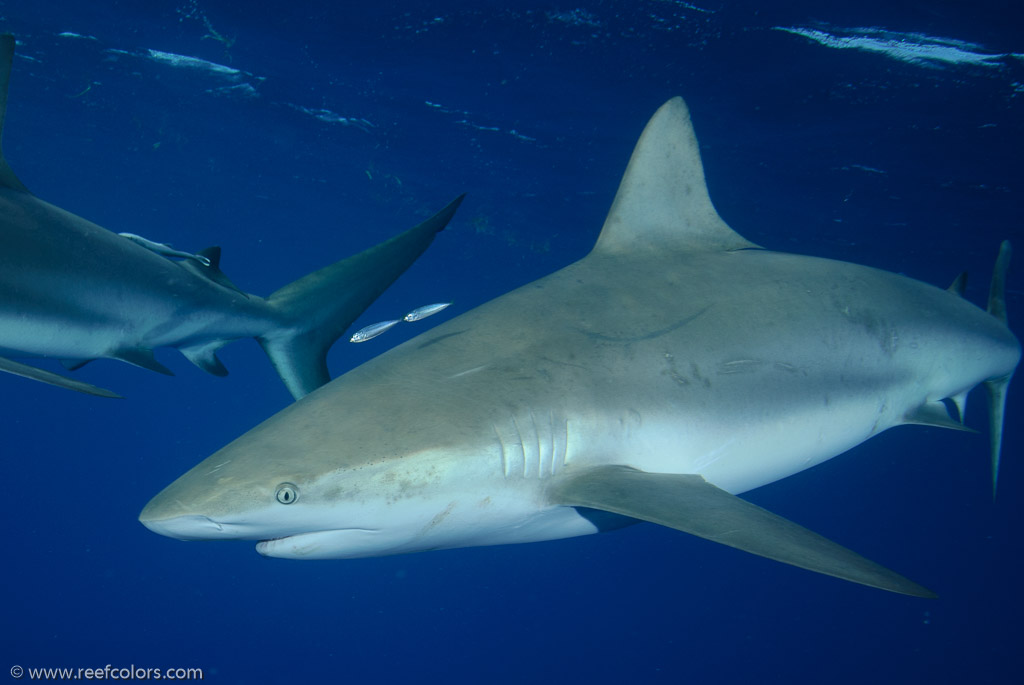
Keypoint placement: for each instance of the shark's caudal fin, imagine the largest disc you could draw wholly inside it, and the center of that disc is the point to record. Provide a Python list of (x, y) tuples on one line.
[(691, 504), (662, 202), (7, 177), (996, 387), (319, 307)]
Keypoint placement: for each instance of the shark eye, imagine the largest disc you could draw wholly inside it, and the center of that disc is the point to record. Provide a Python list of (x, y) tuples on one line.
[(287, 493)]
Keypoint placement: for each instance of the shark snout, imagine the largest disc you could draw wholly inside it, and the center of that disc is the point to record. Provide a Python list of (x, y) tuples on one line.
[(192, 527), (186, 519)]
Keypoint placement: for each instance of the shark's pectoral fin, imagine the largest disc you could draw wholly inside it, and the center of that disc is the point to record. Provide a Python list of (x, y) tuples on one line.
[(26, 371), (144, 359), (205, 357), (691, 504)]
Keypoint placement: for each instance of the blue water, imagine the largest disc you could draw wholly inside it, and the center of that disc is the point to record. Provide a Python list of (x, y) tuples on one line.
[(890, 136)]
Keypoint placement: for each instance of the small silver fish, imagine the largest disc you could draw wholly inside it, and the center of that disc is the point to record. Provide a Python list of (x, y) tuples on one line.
[(425, 311), (373, 330), (163, 248)]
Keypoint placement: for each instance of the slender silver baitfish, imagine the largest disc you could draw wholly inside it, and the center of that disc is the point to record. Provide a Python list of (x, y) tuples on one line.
[(426, 310), (373, 330), (675, 366)]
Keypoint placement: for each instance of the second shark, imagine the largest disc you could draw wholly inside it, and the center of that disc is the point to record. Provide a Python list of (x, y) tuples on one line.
[(74, 291)]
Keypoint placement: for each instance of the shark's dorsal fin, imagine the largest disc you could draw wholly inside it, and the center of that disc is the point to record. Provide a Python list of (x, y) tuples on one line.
[(7, 177), (662, 202)]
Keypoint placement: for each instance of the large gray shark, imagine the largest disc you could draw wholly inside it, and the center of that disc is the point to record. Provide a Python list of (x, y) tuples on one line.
[(673, 367), (74, 291)]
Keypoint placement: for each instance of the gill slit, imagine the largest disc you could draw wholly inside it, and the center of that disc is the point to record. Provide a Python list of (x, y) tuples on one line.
[(541, 454)]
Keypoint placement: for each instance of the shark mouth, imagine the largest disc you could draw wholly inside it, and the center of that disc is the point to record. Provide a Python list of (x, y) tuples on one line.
[(342, 543)]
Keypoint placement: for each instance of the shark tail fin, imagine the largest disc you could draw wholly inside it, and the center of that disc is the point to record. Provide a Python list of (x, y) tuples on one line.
[(996, 387), (7, 177), (316, 309), (689, 503)]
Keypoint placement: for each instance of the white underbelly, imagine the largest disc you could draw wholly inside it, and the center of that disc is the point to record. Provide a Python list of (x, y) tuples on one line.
[(736, 452)]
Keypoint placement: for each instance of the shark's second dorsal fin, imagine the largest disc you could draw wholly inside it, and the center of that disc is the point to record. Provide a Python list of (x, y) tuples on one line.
[(7, 177), (663, 201), (959, 285), (211, 270)]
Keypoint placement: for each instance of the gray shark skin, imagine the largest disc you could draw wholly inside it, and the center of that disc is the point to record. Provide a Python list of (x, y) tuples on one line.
[(673, 367), (74, 291)]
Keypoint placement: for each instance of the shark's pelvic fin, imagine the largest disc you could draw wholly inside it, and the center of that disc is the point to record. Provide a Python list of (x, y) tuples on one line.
[(996, 387), (26, 371), (691, 504), (7, 177), (320, 306), (662, 202)]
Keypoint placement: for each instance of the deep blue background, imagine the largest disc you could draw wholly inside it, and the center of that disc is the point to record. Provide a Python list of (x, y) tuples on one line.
[(531, 108)]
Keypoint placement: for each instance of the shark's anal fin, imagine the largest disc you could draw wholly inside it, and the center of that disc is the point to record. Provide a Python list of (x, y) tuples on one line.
[(26, 371), (205, 357), (936, 414), (689, 503)]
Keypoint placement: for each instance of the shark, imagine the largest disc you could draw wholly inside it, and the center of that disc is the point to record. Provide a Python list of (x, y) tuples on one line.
[(74, 291), (673, 368)]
